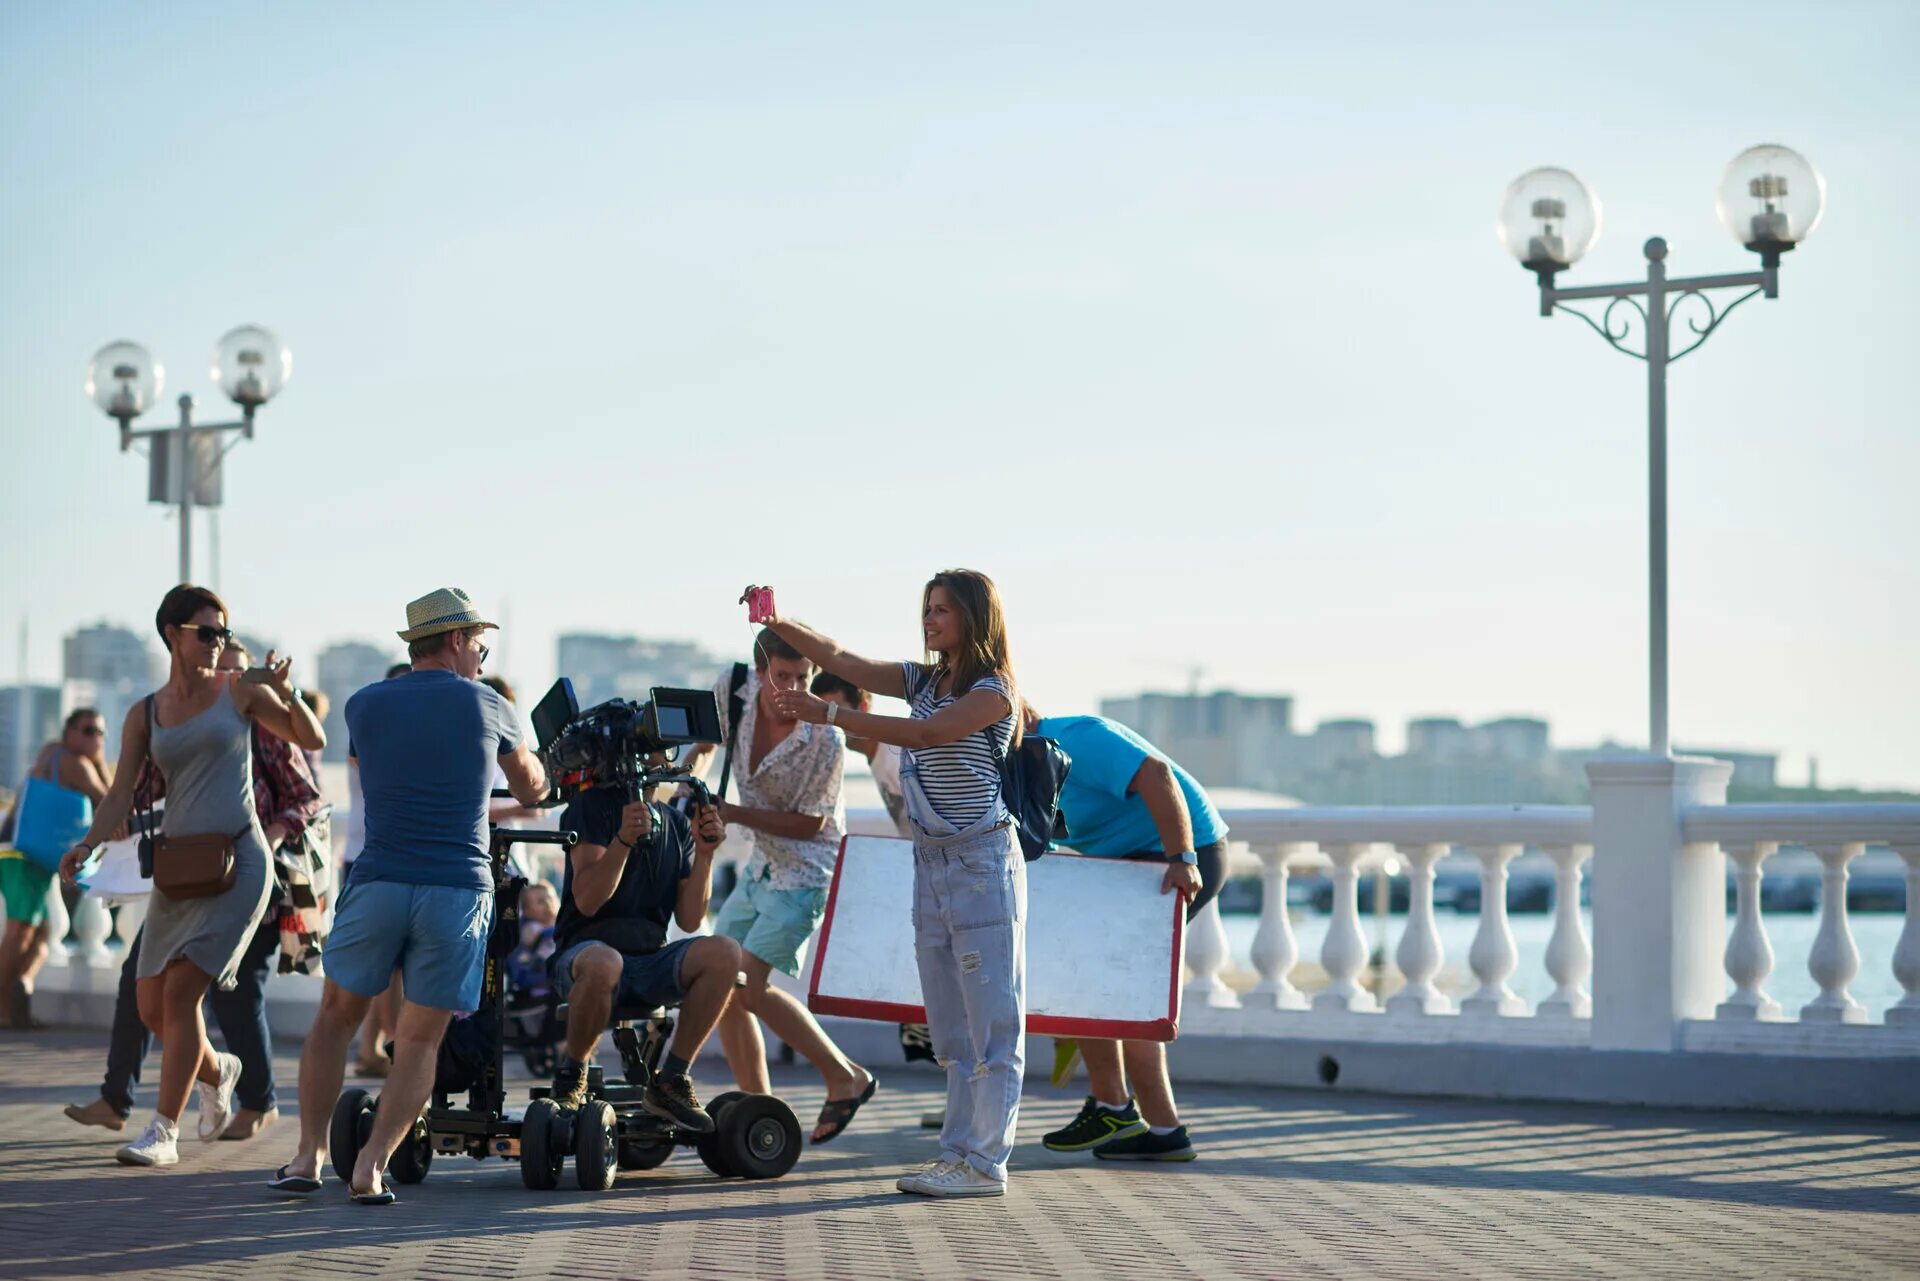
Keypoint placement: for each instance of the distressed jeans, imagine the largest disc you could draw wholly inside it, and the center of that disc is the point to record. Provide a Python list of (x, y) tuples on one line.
[(970, 938)]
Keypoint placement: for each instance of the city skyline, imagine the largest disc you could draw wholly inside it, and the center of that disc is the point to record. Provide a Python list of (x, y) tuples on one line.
[(1189, 327)]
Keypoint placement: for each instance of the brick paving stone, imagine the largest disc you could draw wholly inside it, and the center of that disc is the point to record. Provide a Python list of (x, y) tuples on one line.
[(1290, 1184)]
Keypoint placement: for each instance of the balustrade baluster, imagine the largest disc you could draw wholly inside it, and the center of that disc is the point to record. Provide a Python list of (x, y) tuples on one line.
[(1749, 953), (1834, 960), (1906, 954), (57, 925), (1420, 953), (1569, 956), (1344, 954), (1493, 955), (1206, 941), (1275, 950), (91, 926), (126, 925)]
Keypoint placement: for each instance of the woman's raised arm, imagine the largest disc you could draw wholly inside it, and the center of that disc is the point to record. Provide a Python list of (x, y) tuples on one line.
[(870, 674)]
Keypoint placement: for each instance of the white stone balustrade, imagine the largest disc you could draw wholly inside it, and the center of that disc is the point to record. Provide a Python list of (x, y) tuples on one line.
[(1344, 953), (1420, 954), (57, 925), (1206, 956), (1906, 953), (1492, 955), (1275, 950), (1569, 955), (1835, 960), (1749, 954), (92, 925)]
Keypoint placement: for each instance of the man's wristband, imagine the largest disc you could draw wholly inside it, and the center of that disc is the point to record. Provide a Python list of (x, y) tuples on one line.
[(833, 711), (1185, 856)]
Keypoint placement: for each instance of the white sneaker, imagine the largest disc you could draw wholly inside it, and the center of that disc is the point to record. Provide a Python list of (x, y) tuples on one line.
[(157, 1145), (910, 1181), (216, 1101), (957, 1179)]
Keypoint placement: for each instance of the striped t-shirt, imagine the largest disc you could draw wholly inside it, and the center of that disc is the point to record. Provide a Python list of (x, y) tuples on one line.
[(961, 780)]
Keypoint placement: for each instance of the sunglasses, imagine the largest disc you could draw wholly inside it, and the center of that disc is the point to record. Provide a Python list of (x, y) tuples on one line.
[(483, 651), (94, 731), (211, 635)]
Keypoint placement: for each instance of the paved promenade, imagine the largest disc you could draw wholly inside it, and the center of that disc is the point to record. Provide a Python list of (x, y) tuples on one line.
[(1290, 1185)]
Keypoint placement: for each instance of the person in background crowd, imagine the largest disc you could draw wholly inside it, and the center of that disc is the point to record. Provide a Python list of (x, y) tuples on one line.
[(383, 1015), (320, 704), (421, 899), (1125, 799), (197, 730), (286, 798), (789, 775), (882, 758), (970, 878), (78, 762)]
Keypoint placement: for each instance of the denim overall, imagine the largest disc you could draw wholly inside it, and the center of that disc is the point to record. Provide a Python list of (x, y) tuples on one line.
[(970, 938)]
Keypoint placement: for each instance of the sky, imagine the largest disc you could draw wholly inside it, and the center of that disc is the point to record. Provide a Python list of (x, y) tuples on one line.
[(1187, 324)]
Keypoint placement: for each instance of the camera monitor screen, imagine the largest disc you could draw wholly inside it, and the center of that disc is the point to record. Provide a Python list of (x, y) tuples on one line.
[(554, 712), (686, 716)]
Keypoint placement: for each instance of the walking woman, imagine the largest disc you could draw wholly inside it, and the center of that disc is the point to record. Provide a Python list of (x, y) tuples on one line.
[(969, 878), (197, 730)]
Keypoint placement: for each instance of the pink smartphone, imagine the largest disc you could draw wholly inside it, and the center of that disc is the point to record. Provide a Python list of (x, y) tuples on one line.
[(760, 604)]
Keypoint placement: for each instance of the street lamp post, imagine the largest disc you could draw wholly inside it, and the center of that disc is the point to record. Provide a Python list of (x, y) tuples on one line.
[(1770, 200), (250, 364)]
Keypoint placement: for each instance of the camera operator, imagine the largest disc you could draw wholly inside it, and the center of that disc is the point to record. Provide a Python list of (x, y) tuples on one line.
[(421, 896), (638, 866)]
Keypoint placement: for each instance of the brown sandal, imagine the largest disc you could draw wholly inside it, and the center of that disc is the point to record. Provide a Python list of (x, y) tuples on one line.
[(838, 1113)]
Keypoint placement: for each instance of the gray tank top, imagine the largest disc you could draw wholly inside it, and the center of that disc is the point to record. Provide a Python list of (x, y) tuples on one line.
[(208, 765)]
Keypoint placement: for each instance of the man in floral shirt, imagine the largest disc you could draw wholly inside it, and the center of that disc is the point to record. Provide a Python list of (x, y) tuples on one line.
[(789, 781)]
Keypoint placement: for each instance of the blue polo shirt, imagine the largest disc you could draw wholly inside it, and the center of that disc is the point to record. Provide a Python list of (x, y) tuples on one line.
[(1102, 818), (427, 743)]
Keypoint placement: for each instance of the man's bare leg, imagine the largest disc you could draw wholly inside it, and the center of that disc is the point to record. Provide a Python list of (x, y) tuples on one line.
[(745, 1049), (323, 1066), (793, 1023), (1106, 1079), (1146, 1067), (416, 1055), (708, 972)]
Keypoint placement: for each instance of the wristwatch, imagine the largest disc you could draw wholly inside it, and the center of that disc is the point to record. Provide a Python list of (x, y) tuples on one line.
[(1185, 856), (833, 711)]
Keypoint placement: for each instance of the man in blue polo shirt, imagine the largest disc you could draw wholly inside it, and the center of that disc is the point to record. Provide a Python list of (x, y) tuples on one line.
[(1125, 799)]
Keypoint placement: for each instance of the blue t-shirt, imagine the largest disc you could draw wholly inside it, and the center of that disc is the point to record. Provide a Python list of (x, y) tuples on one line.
[(1102, 819), (427, 743)]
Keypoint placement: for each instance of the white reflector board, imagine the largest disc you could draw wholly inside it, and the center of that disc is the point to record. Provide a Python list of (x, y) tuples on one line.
[(1103, 944)]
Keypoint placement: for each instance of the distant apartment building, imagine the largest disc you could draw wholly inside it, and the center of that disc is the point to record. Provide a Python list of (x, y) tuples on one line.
[(29, 717), (344, 668), (604, 667), (1222, 738), (111, 668)]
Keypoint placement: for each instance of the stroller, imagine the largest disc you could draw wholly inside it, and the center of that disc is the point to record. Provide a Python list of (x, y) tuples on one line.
[(530, 1019)]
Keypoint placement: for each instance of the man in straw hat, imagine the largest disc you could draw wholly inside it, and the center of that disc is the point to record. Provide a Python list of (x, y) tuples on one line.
[(420, 899)]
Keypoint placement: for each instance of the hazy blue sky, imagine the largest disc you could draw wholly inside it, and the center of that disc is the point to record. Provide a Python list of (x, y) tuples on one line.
[(1186, 322)]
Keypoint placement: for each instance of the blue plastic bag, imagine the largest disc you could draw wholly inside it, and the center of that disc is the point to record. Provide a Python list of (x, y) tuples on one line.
[(49, 821)]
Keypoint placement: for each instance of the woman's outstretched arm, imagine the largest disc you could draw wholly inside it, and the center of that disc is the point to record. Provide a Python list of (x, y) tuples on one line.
[(970, 714), (872, 675)]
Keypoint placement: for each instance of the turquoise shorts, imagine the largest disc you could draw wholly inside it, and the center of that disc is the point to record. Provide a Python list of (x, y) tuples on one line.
[(771, 924), (435, 935)]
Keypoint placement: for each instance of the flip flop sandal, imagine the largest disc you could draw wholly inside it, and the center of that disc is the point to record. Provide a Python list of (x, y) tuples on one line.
[(838, 1113), (293, 1184), (384, 1196)]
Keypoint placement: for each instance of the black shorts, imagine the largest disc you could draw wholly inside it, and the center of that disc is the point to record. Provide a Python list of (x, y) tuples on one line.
[(1212, 862)]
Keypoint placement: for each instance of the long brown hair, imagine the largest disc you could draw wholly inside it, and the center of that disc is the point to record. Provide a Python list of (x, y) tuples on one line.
[(983, 635)]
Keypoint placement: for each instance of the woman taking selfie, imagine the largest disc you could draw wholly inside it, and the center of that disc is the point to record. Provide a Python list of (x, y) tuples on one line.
[(969, 878), (197, 731)]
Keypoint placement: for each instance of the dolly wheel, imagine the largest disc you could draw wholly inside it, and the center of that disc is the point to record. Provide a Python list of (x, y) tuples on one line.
[(708, 1145), (412, 1158), (638, 1155), (595, 1146), (541, 1148), (352, 1119), (759, 1137)]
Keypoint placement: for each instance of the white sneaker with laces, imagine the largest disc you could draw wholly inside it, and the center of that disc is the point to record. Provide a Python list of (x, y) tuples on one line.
[(909, 1182), (958, 1179), (157, 1145), (216, 1101)]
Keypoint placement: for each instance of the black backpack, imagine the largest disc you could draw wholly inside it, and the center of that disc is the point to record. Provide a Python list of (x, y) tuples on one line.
[(1031, 776)]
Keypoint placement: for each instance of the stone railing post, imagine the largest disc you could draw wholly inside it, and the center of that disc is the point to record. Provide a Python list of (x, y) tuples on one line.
[(1906, 953), (1569, 956), (1344, 953), (91, 927), (1659, 904), (126, 926), (1275, 950), (1420, 954), (1834, 960), (58, 923), (1492, 955), (1206, 941), (1749, 954)]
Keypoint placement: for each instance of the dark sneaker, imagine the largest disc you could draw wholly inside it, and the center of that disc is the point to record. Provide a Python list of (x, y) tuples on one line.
[(671, 1098), (1095, 1126), (1148, 1146), (570, 1085)]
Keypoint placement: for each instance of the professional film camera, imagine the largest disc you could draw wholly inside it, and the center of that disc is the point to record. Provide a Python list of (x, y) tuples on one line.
[(621, 743)]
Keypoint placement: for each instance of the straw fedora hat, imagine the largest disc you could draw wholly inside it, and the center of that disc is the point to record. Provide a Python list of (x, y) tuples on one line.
[(446, 610)]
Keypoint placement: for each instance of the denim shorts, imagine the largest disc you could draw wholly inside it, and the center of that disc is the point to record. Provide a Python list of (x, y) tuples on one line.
[(435, 935), (771, 924), (653, 979)]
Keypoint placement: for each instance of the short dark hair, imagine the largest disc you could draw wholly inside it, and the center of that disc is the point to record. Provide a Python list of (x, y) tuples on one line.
[(428, 646), (498, 684), (178, 607), (398, 669), (826, 685), (79, 714), (317, 702), (768, 646)]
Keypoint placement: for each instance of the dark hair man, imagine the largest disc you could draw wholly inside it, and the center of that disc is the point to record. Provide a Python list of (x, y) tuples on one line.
[(421, 896), (1125, 799), (789, 773), (637, 867)]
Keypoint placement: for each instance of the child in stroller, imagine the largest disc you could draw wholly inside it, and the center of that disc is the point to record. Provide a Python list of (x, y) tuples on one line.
[(532, 1025)]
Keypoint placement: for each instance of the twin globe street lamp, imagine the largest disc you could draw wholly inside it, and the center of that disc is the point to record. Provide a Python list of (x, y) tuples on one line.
[(250, 364), (1770, 200)]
